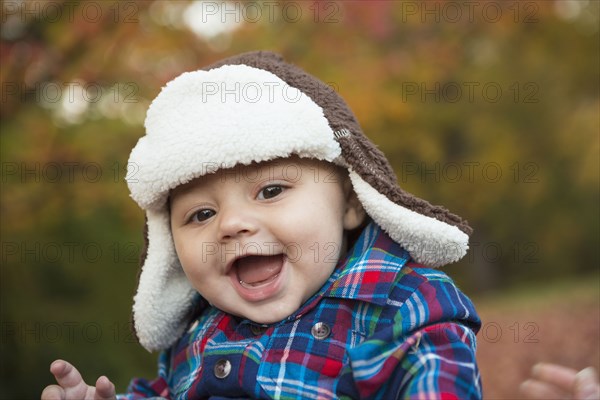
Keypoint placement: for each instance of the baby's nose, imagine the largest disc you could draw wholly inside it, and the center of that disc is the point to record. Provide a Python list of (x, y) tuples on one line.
[(236, 222)]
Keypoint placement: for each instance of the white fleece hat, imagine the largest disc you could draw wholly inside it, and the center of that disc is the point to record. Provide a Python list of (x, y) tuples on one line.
[(250, 108)]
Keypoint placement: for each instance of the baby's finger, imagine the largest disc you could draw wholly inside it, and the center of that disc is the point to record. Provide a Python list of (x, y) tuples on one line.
[(67, 375), (533, 389), (53, 392), (105, 389), (557, 375)]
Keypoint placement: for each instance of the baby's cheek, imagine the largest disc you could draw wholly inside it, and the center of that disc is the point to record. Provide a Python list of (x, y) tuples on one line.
[(200, 278), (215, 292), (317, 243)]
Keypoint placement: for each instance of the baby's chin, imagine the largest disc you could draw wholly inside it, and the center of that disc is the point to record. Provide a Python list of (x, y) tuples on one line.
[(268, 314)]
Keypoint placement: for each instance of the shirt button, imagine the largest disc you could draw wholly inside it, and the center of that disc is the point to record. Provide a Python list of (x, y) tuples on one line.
[(222, 369), (320, 330)]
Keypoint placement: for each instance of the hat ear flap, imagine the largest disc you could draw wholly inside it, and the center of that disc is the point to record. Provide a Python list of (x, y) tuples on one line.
[(164, 294), (428, 240), (371, 164)]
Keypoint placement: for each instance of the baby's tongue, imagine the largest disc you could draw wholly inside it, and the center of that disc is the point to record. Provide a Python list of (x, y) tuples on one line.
[(255, 269)]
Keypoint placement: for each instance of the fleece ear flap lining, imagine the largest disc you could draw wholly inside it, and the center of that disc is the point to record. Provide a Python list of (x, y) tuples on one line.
[(428, 240), (164, 295)]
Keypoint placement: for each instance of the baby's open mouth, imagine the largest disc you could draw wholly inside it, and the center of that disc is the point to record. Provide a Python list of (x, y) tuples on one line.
[(256, 270)]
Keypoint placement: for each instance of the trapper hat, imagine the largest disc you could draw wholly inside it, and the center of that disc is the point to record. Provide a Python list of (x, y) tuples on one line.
[(249, 108)]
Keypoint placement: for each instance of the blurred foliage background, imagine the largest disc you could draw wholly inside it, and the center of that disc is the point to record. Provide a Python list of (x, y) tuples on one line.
[(490, 108)]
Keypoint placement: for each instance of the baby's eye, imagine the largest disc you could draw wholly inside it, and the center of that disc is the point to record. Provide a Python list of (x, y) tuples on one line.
[(270, 191), (202, 215)]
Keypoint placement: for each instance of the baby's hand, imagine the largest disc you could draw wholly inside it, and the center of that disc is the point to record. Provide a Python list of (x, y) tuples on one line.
[(550, 381), (72, 387)]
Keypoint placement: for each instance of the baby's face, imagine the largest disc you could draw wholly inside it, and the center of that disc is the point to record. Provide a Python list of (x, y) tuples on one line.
[(258, 241)]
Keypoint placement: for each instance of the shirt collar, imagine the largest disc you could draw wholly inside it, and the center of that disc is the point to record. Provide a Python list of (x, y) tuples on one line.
[(369, 270)]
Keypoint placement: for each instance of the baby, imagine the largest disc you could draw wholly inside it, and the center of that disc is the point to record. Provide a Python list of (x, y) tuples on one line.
[(282, 259)]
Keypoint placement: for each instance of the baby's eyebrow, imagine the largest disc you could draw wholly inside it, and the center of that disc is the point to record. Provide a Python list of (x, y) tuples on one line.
[(182, 193)]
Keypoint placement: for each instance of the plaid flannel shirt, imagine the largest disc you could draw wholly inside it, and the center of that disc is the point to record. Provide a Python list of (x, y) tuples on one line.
[(381, 327)]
